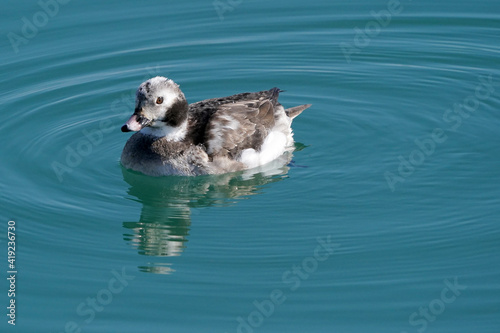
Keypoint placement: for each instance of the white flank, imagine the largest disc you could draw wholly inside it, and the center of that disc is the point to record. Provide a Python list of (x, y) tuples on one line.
[(159, 129), (274, 146)]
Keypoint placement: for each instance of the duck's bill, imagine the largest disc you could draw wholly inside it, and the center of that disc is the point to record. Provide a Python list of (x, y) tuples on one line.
[(134, 124)]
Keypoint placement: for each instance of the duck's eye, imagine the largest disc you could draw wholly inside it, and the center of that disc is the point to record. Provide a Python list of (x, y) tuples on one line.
[(159, 100)]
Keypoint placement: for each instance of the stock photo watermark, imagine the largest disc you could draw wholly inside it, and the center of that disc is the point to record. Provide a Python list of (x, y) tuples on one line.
[(292, 280), (11, 272), (224, 6), (363, 36), (78, 150), (88, 309), (32, 25), (428, 314), (453, 117)]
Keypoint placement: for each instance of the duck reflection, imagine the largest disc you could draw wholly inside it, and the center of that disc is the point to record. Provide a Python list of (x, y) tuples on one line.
[(167, 203)]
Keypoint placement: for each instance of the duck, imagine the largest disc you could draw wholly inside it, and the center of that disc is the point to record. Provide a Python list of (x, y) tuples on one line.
[(213, 136)]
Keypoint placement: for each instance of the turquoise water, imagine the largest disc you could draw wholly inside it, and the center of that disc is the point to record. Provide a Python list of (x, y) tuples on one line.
[(386, 220)]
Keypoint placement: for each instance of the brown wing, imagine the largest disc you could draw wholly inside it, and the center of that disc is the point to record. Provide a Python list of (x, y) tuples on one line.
[(239, 125)]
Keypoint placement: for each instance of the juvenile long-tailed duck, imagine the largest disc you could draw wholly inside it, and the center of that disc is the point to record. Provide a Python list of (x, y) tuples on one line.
[(213, 136)]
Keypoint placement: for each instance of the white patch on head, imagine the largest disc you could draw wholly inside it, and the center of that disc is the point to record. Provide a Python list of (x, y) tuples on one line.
[(162, 87), (170, 133)]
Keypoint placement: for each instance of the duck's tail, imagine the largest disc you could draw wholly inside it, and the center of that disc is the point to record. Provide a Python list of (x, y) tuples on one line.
[(295, 111)]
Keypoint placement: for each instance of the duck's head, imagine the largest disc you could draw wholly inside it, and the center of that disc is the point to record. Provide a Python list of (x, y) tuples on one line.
[(159, 104)]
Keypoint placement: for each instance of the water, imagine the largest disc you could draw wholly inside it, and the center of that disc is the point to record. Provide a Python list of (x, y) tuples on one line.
[(396, 171)]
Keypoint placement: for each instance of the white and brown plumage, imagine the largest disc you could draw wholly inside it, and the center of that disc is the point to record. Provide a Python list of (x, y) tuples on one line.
[(213, 136)]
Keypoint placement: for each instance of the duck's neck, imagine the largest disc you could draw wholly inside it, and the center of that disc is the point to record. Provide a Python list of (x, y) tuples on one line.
[(171, 133)]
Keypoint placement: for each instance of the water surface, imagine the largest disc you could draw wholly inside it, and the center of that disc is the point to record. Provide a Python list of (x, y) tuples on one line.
[(385, 220)]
